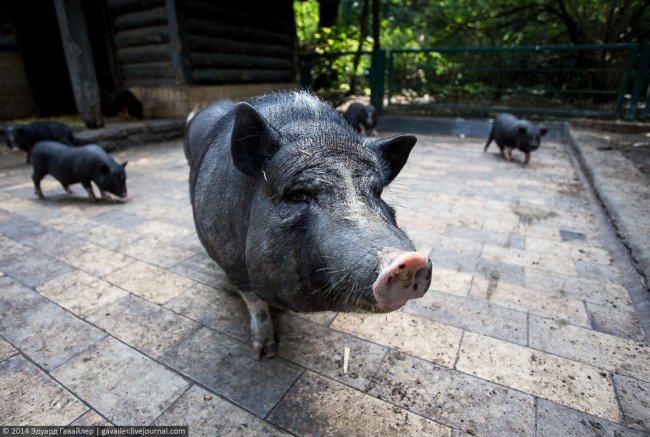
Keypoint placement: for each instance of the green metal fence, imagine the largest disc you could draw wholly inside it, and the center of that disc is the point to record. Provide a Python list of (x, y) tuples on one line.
[(604, 81)]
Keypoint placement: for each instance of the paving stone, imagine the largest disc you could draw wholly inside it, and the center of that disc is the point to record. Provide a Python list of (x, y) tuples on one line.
[(33, 268), (120, 383), (319, 406), (16, 204), (604, 351), (119, 219), (321, 349), (449, 260), (557, 420), (43, 331), (607, 293), (453, 398), (150, 282), (30, 397), (109, 237), (477, 316), (622, 323), (543, 261), (324, 318), (450, 281), (572, 236), (486, 237), (12, 249), (91, 418), (225, 366), (162, 231), (575, 385), (420, 337), (80, 293), (544, 303), (53, 242), (145, 326), (578, 252), (597, 272), (6, 350), (20, 228), (218, 309), (634, 396), (155, 252), (207, 415), (458, 245), (95, 260), (70, 224)]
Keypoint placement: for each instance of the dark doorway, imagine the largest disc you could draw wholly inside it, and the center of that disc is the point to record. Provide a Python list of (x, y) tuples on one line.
[(37, 34)]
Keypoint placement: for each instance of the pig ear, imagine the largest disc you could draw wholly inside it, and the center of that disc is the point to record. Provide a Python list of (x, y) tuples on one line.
[(124, 164), (250, 145), (393, 152), (543, 131)]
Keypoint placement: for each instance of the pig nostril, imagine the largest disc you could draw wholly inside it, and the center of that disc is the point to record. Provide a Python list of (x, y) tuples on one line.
[(415, 287), (402, 266)]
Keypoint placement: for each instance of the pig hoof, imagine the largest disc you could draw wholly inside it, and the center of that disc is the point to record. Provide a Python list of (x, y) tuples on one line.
[(259, 347)]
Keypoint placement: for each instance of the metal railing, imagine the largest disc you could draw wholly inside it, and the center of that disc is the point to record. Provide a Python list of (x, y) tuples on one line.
[(599, 81)]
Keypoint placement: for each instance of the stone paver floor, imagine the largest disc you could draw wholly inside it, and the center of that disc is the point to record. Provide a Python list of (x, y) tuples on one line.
[(112, 313)]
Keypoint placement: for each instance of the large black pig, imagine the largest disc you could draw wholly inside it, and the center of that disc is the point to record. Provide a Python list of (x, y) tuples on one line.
[(287, 200), (509, 133)]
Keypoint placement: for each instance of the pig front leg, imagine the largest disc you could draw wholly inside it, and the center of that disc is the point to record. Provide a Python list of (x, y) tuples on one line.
[(509, 153), (261, 326), (89, 190), (527, 158)]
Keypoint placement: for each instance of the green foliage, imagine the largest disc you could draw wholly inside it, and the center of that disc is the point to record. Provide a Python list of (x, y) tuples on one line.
[(424, 24)]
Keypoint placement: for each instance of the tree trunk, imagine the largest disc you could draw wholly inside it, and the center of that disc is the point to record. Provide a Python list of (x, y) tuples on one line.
[(363, 24)]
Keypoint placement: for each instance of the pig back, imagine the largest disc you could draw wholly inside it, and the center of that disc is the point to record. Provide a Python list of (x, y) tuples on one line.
[(220, 194)]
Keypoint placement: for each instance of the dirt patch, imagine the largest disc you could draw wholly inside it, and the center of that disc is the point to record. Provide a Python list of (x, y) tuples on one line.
[(529, 214)]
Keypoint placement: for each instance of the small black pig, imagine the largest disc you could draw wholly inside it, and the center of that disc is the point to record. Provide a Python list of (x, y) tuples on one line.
[(287, 200), (363, 118), (23, 137), (509, 133), (71, 165), (116, 101)]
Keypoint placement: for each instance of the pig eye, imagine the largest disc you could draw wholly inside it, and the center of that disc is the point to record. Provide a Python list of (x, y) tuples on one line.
[(297, 196)]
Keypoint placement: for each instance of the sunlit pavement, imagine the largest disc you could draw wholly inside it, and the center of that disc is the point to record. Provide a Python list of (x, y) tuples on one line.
[(112, 313)]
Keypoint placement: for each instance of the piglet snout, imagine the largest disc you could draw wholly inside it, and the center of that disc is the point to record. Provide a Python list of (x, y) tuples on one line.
[(402, 276)]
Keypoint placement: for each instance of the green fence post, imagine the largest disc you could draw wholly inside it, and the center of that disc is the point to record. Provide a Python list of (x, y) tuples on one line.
[(624, 83), (377, 72), (641, 74), (306, 63)]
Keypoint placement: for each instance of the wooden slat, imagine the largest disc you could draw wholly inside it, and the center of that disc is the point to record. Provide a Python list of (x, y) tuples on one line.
[(228, 60), (252, 18), (214, 75), (144, 36), (223, 45), (161, 70), (126, 6), (140, 19), (221, 29), (140, 54)]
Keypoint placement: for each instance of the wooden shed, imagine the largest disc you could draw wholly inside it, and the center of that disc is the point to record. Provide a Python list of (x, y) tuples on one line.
[(172, 54)]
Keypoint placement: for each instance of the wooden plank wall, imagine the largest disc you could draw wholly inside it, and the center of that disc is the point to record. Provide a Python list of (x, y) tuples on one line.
[(244, 41), (141, 36)]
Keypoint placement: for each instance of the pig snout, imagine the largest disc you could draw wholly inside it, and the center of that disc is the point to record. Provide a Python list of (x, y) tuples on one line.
[(402, 276)]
